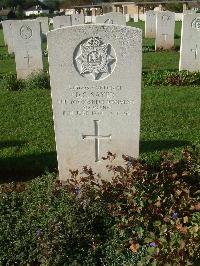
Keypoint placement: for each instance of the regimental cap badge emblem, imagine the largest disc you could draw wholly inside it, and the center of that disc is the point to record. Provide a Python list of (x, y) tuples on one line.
[(26, 32), (94, 59), (196, 23)]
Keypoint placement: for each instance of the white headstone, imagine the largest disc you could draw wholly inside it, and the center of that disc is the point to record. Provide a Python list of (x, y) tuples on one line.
[(165, 27), (61, 21), (135, 17), (27, 47), (44, 25), (127, 16), (190, 45), (7, 32), (178, 16), (95, 73), (150, 24), (112, 18), (77, 19), (189, 11), (142, 17), (88, 19)]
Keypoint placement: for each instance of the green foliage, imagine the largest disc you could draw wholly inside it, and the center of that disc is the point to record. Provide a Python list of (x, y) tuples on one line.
[(11, 83), (38, 81), (34, 81), (19, 12), (169, 78), (6, 56), (145, 215), (176, 7)]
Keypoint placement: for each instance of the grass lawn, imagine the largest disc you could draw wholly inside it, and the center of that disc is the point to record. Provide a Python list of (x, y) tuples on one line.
[(170, 119)]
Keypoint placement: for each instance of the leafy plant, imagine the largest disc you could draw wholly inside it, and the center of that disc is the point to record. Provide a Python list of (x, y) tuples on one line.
[(38, 81), (144, 215), (11, 83), (171, 78), (34, 81)]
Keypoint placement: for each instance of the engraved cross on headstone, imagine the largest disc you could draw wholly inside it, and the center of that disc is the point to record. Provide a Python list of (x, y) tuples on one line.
[(28, 58), (165, 34), (96, 137), (195, 51)]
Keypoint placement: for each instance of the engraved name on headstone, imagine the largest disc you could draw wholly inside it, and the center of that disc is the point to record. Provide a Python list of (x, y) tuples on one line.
[(61, 21), (95, 73), (27, 47), (150, 24), (165, 27), (112, 18), (190, 46)]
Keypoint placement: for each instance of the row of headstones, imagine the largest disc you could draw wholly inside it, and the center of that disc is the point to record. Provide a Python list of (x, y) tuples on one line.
[(161, 26), (95, 73), (23, 38), (77, 19)]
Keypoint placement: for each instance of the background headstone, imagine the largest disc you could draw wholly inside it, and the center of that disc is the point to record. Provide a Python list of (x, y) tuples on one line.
[(61, 21), (27, 47), (77, 19), (95, 73), (7, 32), (141, 17), (189, 11), (178, 16), (44, 25), (190, 43), (150, 24), (112, 18), (135, 16), (165, 27)]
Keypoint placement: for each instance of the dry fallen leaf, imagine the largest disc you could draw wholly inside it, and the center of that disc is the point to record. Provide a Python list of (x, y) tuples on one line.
[(196, 207), (182, 229), (134, 247)]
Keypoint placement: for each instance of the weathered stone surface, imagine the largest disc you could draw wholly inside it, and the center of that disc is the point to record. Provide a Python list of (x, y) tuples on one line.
[(95, 73), (189, 11), (7, 32), (77, 19), (44, 25), (150, 24), (165, 26), (112, 18), (190, 46), (61, 21), (27, 47)]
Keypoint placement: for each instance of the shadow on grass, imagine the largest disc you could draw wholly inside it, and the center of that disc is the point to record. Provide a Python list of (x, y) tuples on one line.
[(24, 168), (11, 143), (161, 145)]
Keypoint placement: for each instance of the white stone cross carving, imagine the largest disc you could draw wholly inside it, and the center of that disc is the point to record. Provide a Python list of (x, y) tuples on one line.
[(165, 34), (96, 137), (28, 57), (195, 51)]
